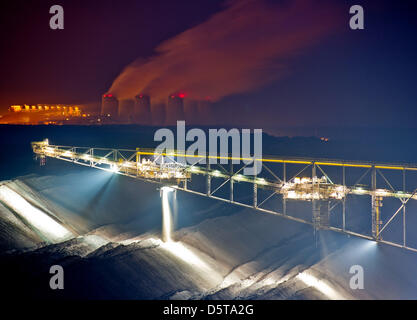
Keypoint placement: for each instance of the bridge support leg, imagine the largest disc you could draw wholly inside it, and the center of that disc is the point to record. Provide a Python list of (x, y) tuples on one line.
[(376, 203), (404, 221), (208, 191), (175, 210), (325, 214), (284, 201), (255, 188), (231, 181), (91, 157), (315, 203), (344, 201), (137, 161)]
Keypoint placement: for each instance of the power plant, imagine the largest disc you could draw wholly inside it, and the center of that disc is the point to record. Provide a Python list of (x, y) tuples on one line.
[(140, 110), (135, 110)]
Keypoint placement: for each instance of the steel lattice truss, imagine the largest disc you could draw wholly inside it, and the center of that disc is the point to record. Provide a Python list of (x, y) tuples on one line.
[(326, 184)]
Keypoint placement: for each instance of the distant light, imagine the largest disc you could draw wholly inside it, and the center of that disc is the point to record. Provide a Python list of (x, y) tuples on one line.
[(181, 95), (172, 97)]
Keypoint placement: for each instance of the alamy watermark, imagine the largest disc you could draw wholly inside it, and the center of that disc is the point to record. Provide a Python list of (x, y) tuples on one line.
[(215, 148), (57, 280), (357, 280), (57, 20), (356, 22)]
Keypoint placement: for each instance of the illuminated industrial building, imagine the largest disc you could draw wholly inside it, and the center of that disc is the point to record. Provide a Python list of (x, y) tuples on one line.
[(136, 110), (63, 109), (33, 114)]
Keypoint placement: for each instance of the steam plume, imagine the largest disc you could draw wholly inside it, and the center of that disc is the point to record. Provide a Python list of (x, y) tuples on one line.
[(239, 49)]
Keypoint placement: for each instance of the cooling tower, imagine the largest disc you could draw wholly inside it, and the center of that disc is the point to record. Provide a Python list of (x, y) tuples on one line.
[(158, 113), (142, 109), (109, 105), (126, 107), (175, 109)]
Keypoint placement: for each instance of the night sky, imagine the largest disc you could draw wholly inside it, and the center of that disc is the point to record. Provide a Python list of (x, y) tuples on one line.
[(337, 77)]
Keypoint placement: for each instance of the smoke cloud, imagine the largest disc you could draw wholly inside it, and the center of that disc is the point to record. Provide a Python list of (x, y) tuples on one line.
[(239, 49)]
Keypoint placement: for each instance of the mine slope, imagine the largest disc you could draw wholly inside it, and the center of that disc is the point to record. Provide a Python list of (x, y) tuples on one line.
[(105, 231)]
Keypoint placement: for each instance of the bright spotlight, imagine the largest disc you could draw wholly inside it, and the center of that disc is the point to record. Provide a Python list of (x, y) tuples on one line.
[(167, 189), (196, 259), (366, 246), (181, 251), (38, 219), (318, 284)]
